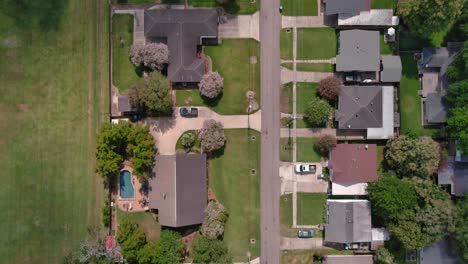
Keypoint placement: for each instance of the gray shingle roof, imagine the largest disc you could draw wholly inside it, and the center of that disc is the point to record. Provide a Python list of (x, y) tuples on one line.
[(436, 108), (461, 178), (179, 189), (183, 29), (353, 7), (359, 107), (391, 69), (359, 50), (348, 221)]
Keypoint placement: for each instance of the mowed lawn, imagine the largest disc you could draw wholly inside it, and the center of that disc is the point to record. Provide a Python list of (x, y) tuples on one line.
[(304, 93), (231, 7), (311, 208), (146, 220), (238, 189), (410, 101), (306, 151), (383, 4), (124, 73), (299, 7), (286, 44), (232, 60), (316, 43), (53, 79)]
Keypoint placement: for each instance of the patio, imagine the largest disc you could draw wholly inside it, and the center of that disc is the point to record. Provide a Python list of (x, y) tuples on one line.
[(139, 201)]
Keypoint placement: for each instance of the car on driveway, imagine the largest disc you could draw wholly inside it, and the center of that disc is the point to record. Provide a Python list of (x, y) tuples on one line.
[(188, 112), (305, 233), (305, 168)]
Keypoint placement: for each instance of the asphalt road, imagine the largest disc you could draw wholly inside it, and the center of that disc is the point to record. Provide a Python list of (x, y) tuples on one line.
[(270, 25)]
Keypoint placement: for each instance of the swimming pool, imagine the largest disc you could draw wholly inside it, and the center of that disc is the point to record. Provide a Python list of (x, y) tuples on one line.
[(126, 186)]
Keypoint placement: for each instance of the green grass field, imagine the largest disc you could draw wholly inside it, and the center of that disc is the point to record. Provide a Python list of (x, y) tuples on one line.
[(286, 99), (383, 4), (286, 44), (316, 43), (53, 78), (145, 220), (239, 190), (231, 7), (306, 151), (410, 101), (286, 149), (124, 73), (232, 60), (299, 7), (311, 67), (304, 93), (311, 208)]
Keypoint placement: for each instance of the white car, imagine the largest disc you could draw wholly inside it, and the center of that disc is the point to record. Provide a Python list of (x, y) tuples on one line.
[(305, 168)]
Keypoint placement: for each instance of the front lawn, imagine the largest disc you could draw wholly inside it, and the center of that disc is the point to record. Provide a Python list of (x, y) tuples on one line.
[(299, 7), (311, 67), (231, 7), (306, 151), (238, 188), (307, 256), (124, 73), (286, 99), (146, 220), (311, 208), (304, 93), (286, 214), (410, 101), (383, 4), (232, 60), (316, 43), (286, 44), (286, 148)]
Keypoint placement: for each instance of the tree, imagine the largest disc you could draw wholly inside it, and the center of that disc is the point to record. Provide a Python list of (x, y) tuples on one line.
[(461, 230), (206, 250), (457, 93), (140, 148), (457, 125), (105, 213), (148, 254), (383, 256), (413, 156), (211, 135), (155, 55), (215, 218), (330, 87), (188, 140), (211, 85), (131, 238), (136, 54), (428, 16), (408, 232), (317, 112), (152, 94), (325, 144), (389, 196), (170, 248)]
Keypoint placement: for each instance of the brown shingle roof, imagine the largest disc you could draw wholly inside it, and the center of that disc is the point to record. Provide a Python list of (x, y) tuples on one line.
[(354, 163)]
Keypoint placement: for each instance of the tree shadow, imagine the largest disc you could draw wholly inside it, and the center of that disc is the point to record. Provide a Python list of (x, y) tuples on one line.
[(212, 102), (30, 14), (231, 7)]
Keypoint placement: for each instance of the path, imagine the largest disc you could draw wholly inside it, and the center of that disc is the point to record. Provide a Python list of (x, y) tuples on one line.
[(240, 26), (270, 25), (166, 132), (302, 21)]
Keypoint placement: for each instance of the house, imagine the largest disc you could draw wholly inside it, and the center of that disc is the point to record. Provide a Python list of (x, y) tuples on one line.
[(441, 251), (352, 166), (432, 66), (348, 223), (348, 259), (455, 174), (358, 51), (369, 109), (178, 189), (391, 69), (375, 18), (349, 7), (185, 32)]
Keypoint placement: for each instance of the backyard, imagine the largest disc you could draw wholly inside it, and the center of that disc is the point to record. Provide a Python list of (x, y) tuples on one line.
[(306, 151), (232, 59), (410, 101), (316, 43), (124, 73), (385, 47), (383, 4), (311, 208), (53, 75), (237, 187), (299, 7), (146, 220)]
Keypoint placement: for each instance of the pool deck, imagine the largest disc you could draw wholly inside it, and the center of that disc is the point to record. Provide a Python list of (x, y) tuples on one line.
[(123, 203)]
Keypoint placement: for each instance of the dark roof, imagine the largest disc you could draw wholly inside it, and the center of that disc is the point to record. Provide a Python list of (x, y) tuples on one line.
[(440, 252), (439, 57), (179, 189), (359, 107), (348, 259), (391, 69), (461, 178), (359, 50), (183, 30), (123, 104), (348, 221), (435, 108), (353, 7), (353, 163)]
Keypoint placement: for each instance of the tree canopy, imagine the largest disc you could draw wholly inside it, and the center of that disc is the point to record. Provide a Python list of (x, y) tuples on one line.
[(211, 135), (152, 94), (330, 87), (317, 112), (131, 239), (457, 125), (215, 218), (152, 55), (170, 247), (461, 230), (325, 144), (211, 85), (205, 250), (117, 142), (425, 17), (413, 156)]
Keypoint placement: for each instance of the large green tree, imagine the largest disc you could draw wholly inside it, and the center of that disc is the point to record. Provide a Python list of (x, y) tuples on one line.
[(131, 238), (425, 17), (170, 248), (413, 156), (457, 93), (457, 125), (461, 230), (205, 250), (152, 94), (317, 112), (148, 254)]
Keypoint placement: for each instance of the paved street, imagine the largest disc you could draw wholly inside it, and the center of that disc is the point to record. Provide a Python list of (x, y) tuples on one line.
[(270, 25)]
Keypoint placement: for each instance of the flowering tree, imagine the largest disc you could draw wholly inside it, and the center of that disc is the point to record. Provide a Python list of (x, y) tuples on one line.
[(211, 135), (211, 85), (152, 55), (215, 217)]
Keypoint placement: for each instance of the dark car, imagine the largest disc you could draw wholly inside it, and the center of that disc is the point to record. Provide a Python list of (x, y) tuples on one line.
[(305, 233), (189, 112)]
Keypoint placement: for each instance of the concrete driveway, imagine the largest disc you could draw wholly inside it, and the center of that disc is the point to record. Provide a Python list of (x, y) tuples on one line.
[(304, 182), (240, 26), (288, 243), (167, 130)]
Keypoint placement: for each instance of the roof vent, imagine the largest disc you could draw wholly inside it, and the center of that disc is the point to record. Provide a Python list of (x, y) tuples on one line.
[(164, 196), (349, 126), (366, 146)]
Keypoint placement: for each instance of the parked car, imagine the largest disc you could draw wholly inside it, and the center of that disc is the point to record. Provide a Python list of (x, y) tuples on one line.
[(305, 168), (305, 233), (189, 112), (353, 77)]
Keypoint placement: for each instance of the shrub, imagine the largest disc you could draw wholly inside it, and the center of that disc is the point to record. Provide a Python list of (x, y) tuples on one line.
[(211, 136), (206, 250), (136, 54), (317, 112), (188, 140), (329, 87), (211, 85), (215, 218), (325, 144), (156, 55), (152, 94), (105, 213)]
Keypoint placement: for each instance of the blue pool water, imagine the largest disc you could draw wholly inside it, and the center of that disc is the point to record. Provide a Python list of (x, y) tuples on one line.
[(126, 186)]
